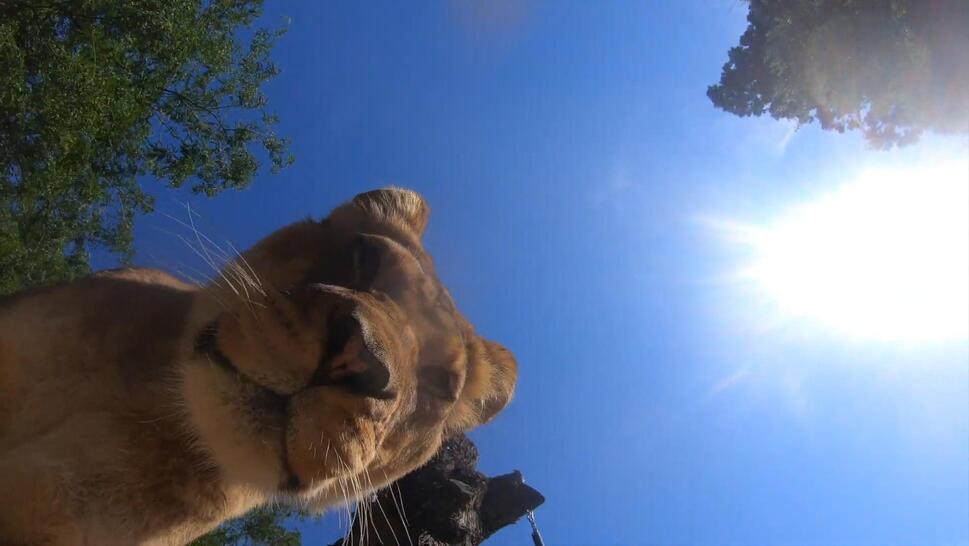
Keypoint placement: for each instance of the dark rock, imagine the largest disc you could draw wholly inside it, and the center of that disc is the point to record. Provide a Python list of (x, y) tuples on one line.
[(447, 502)]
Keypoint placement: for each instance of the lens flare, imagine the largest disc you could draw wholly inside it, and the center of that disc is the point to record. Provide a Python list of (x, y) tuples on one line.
[(885, 256)]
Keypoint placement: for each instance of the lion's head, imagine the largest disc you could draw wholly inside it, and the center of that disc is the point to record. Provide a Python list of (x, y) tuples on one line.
[(331, 354)]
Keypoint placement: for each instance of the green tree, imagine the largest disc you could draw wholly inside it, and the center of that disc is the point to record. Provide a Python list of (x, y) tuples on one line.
[(890, 68), (261, 527), (98, 95)]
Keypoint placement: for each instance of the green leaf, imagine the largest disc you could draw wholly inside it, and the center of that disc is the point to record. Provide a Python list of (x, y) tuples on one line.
[(99, 97)]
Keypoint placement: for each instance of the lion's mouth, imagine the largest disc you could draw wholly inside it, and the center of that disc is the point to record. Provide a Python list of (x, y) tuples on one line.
[(262, 399), (207, 344), (352, 361)]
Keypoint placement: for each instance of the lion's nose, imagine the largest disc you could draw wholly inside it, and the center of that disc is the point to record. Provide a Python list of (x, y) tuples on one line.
[(350, 360)]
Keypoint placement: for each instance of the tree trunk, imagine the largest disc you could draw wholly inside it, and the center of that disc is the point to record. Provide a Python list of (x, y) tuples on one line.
[(447, 502)]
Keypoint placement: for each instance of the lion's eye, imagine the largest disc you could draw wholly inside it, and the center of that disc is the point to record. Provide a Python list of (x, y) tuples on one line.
[(439, 382)]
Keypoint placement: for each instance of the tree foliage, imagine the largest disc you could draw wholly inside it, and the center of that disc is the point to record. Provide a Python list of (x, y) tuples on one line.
[(262, 527), (96, 95), (890, 68)]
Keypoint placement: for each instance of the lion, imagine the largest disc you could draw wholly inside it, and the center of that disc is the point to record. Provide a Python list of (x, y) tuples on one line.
[(320, 365)]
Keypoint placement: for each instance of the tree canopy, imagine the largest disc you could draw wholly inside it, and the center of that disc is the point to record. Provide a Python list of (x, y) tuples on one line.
[(261, 527), (890, 68), (98, 95)]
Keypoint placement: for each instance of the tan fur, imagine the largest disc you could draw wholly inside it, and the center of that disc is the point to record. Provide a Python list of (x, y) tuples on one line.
[(327, 361)]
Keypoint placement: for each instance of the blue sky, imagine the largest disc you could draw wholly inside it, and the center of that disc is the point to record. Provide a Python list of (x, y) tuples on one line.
[(572, 162)]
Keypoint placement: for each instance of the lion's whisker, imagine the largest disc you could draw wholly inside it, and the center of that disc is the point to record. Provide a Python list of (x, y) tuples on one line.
[(243, 279), (400, 509), (376, 499), (222, 253), (344, 486), (208, 261), (247, 264)]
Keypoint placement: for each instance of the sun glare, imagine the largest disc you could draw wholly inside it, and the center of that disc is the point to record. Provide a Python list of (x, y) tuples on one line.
[(885, 256)]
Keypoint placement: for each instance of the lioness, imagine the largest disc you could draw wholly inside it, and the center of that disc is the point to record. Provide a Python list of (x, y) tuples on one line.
[(325, 362)]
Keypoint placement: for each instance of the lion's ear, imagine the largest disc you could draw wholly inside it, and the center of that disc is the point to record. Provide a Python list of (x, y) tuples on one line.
[(405, 209), (489, 387)]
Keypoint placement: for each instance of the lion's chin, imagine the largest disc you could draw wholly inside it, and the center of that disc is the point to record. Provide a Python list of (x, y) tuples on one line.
[(325, 442), (333, 493)]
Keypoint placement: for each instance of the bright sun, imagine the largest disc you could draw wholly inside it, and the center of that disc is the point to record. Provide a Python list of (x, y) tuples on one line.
[(885, 256)]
